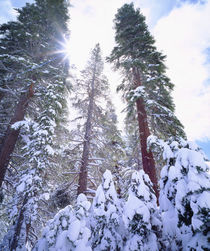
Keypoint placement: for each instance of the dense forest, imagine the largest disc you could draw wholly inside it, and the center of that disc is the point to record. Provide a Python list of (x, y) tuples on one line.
[(69, 178)]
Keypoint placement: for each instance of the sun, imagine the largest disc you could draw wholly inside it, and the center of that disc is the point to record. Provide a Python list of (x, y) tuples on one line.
[(64, 48)]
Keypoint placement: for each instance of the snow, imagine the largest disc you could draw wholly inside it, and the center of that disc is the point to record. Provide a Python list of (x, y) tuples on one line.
[(20, 188), (137, 93), (204, 200), (136, 223), (139, 211), (184, 195), (68, 229), (46, 196), (82, 200), (23, 123), (74, 230), (49, 150), (173, 173)]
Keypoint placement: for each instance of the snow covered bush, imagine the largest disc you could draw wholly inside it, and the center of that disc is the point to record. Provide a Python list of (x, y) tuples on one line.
[(105, 217), (67, 230), (141, 215), (184, 195)]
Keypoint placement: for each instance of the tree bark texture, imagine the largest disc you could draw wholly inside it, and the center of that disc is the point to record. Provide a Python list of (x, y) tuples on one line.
[(144, 132), (82, 184), (11, 135), (19, 226)]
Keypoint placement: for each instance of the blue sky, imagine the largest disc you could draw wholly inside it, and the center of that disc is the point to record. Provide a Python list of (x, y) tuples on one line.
[(181, 29)]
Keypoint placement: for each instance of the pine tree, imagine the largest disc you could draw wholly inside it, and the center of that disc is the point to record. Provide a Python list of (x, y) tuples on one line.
[(29, 57), (145, 83), (184, 195), (94, 70), (141, 215), (105, 218), (96, 142)]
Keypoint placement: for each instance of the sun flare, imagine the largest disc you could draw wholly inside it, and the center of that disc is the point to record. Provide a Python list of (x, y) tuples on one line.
[(65, 49)]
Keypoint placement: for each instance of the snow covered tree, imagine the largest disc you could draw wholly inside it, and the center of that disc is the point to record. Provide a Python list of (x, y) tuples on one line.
[(141, 215), (26, 45), (96, 142), (67, 230), (92, 74), (28, 56), (105, 220), (145, 84), (184, 195)]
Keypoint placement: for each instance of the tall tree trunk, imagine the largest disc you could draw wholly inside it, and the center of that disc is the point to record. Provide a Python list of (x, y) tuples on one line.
[(82, 184), (11, 135), (144, 133)]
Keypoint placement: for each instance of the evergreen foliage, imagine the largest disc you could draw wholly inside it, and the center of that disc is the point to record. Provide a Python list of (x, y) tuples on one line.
[(184, 195), (141, 215), (135, 53), (94, 123), (106, 216), (136, 223), (51, 161), (67, 230), (28, 54)]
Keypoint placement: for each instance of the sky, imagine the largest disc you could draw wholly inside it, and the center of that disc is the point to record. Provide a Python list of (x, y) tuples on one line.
[(181, 30)]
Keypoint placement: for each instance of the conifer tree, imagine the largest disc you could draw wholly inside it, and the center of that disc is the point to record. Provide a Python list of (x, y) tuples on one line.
[(94, 69), (140, 215), (145, 83), (67, 230), (106, 216), (96, 141), (29, 56), (184, 195)]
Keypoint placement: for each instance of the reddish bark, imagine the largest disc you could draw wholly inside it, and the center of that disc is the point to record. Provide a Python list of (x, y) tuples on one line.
[(147, 156), (82, 188), (11, 135), (82, 184)]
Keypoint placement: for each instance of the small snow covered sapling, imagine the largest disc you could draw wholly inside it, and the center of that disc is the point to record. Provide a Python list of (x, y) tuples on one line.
[(141, 215), (105, 216), (55, 231), (67, 230), (78, 232), (184, 195)]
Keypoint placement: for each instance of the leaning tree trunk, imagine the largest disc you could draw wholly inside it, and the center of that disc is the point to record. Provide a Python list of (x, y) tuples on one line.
[(82, 184), (11, 135), (147, 156)]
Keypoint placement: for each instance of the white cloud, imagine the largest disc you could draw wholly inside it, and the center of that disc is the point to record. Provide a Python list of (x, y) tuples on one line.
[(184, 35), (7, 13)]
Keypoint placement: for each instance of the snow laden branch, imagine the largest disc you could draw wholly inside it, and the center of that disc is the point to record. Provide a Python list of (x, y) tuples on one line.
[(184, 194)]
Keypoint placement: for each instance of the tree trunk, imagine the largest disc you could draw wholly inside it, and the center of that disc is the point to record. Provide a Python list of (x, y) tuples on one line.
[(82, 188), (19, 226), (11, 134), (147, 156)]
